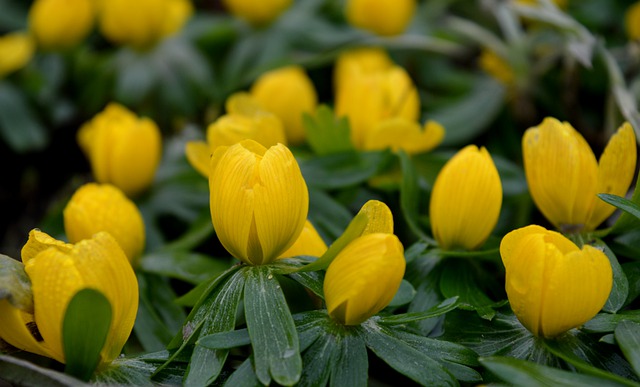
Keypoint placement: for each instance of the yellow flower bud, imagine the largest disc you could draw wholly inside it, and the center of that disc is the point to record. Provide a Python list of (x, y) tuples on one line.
[(552, 284), (57, 272), (308, 243), (364, 277), (95, 207), (142, 23), (123, 150), (564, 176), (382, 17), (399, 133), (16, 50), (364, 60), (369, 99), (259, 200), (257, 12), (288, 93), (497, 67), (245, 120), (466, 200), (632, 21), (61, 24)]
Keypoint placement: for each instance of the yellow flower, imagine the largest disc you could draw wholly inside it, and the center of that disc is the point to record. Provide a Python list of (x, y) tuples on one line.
[(259, 200), (382, 17), (564, 176), (94, 208), (308, 243), (123, 150), (399, 133), (288, 93), (560, 3), (466, 200), (632, 21), (552, 284), (364, 277), (257, 12), (245, 119), (497, 67), (16, 50), (142, 23), (61, 24), (364, 60), (57, 271)]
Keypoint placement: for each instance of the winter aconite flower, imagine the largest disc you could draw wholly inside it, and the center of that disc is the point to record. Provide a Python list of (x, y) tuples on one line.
[(61, 24), (466, 199), (564, 176), (102, 207), (632, 21), (16, 50), (288, 93), (362, 60), (57, 271), (382, 17), (364, 277), (142, 23), (257, 12), (308, 243), (497, 67), (259, 200), (123, 150), (552, 284)]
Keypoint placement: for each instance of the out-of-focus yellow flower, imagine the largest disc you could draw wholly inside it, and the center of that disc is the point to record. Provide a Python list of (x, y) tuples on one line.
[(61, 24), (399, 133), (632, 21), (552, 284), (259, 200), (245, 119), (57, 271), (288, 93), (142, 23), (466, 200), (364, 277), (102, 207), (497, 67), (257, 12), (308, 243), (382, 17), (563, 4), (123, 150), (363, 60), (564, 176), (16, 50)]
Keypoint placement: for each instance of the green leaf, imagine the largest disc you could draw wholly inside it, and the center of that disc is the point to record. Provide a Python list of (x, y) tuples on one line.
[(341, 170), (605, 322), (329, 217), (445, 306), (23, 373), (84, 332), (225, 340), (627, 335), (404, 295), (313, 280), (310, 326), (626, 205), (409, 194), (19, 126), (351, 368), (319, 359), (15, 285), (184, 265), (271, 328), (327, 133), (528, 374), (620, 289), (405, 359), (244, 376), (626, 221)]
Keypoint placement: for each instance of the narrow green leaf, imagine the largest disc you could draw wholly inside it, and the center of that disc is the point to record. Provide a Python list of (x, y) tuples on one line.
[(313, 280), (15, 285), (225, 340), (445, 306), (341, 170), (19, 126), (620, 289), (319, 359), (84, 332), (625, 205), (23, 373), (352, 366), (404, 295), (271, 328), (244, 376), (328, 215), (409, 196), (184, 265), (327, 133), (627, 335), (310, 325), (527, 374), (626, 221), (605, 322)]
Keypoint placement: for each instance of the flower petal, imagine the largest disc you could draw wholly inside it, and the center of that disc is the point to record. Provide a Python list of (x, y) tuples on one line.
[(40, 241), (399, 133), (308, 243), (14, 330), (199, 156)]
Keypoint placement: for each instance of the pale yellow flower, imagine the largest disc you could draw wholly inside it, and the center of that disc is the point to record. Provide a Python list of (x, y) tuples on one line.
[(102, 207), (288, 93), (16, 50), (364, 277), (466, 200), (57, 272), (245, 119), (564, 176), (257, 12), (123, 150), (382, 17), (552, 284), (497, 67), (142, 23), (61, 24), (259, 200), (308, 243)]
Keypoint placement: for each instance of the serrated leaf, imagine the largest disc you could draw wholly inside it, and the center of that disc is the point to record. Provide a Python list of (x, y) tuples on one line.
[(627, 335), (84, 332), (327, 133), (273, 334), (15, 285)]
